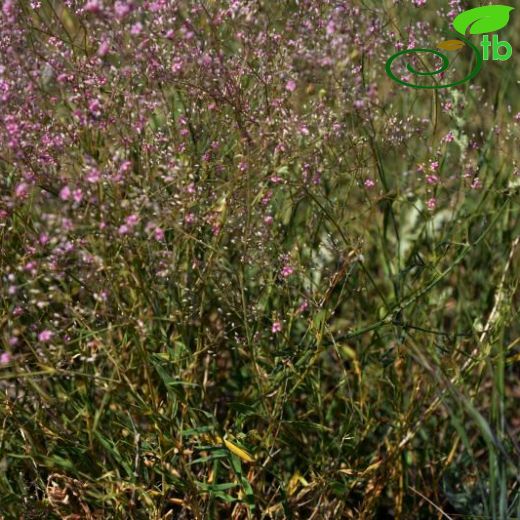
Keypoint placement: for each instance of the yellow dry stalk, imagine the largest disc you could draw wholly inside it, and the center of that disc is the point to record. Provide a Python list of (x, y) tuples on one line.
[(239, 452), (232, 447), (296, 480)]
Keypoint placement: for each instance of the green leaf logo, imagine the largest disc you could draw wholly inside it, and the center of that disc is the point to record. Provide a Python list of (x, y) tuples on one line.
[(481, 20)]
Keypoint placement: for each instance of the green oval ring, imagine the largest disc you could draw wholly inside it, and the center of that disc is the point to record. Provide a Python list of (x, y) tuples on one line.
[(445, 65)]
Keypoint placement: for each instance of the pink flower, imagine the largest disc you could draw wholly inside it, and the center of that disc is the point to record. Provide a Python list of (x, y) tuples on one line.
[(267, 197), (22, 190), (432, 204), (177, 65), (369, 183), (65, 193), (291, 85), (103, 48), (158, 233), (125, 167), (331, 28), (31, 267), (136, 29), (277, 327), (303, 307), (206, 60), (432, 179), (8, 8), (131, 220), (121, 9), (93, 175), (5, 358), (94, 107), (448, 138), (45, 336), (476, 184), (93, 6), (123, 229), (287, 270), (77, 195)]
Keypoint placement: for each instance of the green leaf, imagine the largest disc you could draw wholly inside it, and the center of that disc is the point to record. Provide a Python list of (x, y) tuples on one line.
[(197, 431), (216, 454), (225, 497), (246, 485), (204, 486), (481, 20)]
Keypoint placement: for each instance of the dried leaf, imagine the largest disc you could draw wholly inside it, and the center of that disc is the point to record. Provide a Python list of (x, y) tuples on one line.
[(451, 45), (239, 452)]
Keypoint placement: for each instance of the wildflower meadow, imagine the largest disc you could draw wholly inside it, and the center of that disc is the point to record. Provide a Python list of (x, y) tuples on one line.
[(245, 273)]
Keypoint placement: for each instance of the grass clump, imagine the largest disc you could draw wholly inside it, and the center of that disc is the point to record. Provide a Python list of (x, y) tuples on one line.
[(245, 275)]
